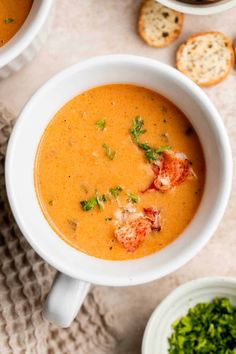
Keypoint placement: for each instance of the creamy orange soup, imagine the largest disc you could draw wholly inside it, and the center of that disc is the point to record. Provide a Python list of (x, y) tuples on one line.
[(73, 166), (12, 16)]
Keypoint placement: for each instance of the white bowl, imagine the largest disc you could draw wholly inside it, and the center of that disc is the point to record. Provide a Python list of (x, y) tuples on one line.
[(176, 305), (27, 133), (208, 9), (28, 40)]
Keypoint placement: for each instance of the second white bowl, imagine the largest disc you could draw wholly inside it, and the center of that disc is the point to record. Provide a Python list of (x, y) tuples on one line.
[(177, 304), (207, 9)]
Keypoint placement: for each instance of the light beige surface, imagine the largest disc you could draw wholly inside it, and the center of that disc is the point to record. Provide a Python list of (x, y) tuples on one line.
[(82, 29)]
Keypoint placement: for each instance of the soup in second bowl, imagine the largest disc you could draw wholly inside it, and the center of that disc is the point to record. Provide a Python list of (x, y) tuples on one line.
[(119, 172), (13, 14)]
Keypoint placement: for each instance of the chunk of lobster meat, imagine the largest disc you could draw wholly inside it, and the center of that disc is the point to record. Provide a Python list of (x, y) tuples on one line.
[(131, 234), (172, 169), (154, 216)]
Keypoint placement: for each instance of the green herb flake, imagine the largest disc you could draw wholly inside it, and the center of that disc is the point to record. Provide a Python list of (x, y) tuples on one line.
[(103, 198), (208, 328), (100, 200), (137, 129), (88, 204), (8, 20), (133, 198), (109, 152), (108, 219), (161, 149), (51, 202), (151, 154), (114, 192), (144, 146), (101, 124), (97, 200)]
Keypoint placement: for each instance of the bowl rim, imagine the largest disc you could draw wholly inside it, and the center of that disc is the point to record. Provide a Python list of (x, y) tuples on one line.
[(185, 256), (27, 32), (177, 293), (200, 10)]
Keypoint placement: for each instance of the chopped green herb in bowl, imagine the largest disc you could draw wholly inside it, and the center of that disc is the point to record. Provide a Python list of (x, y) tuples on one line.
[(208, 328), (198, 317)]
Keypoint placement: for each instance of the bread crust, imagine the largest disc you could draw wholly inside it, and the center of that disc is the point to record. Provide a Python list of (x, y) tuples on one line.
[(220, 78), (171, 38)]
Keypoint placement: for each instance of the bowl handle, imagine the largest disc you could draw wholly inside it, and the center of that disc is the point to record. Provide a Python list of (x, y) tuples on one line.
[(65, 299)]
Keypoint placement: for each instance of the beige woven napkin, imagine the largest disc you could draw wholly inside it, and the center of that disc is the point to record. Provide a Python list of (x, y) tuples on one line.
[(24, 282)]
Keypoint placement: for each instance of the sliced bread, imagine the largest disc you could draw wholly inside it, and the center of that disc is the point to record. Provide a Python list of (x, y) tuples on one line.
[(158, 25), (206, 58)]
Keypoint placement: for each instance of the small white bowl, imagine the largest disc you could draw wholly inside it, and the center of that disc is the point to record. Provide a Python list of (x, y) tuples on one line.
[(208, 9), (176, 305), (28, 40)]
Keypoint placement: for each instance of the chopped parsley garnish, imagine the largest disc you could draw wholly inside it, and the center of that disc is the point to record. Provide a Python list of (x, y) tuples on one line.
[(8, 20), (114, 192), (150, 155), (88, 204), (207, 328), (95, 201), (133, 198), (101, 200), (161, 149), (109, 152), (101, 124), (136, 130)]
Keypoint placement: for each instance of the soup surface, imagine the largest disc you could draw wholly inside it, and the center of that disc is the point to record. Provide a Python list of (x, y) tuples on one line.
[(93, 168), (12, 16)]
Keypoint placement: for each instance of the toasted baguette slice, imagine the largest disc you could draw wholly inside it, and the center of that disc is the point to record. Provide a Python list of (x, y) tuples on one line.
[(158, 25), (206, 58)]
